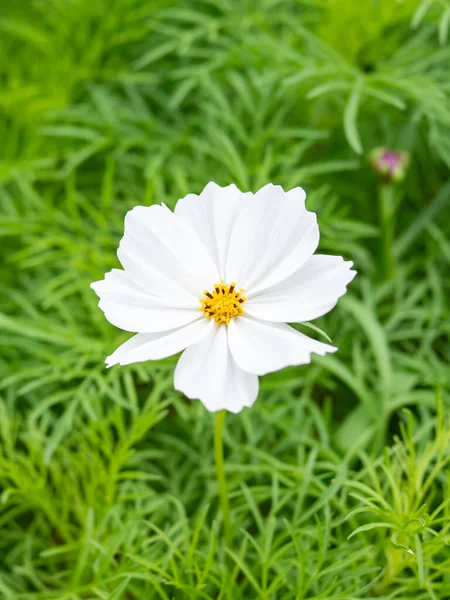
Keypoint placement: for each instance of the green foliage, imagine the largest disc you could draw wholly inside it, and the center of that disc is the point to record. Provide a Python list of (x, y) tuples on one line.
[(107, 487)]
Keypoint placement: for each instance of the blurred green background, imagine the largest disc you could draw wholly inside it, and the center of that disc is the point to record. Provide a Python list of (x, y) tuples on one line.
[(339, 475)]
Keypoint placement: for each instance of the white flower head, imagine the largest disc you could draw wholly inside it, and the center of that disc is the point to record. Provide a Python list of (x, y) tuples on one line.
[(220, 278)]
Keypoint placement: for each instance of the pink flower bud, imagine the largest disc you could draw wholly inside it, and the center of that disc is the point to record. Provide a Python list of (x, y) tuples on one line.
[(390, 165)]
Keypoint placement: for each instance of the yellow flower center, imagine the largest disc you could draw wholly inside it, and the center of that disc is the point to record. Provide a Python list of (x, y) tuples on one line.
[(223, 303)]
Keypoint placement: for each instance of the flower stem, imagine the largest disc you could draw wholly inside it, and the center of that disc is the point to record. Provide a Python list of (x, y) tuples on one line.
[(220, 472), (386, 209)]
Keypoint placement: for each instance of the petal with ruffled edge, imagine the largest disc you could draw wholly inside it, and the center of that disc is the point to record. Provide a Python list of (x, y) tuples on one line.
[(129, 306), (260, 347), (207, 371), (212, 215), (154, 346), (163, 254), (273, 236), (309, 293)]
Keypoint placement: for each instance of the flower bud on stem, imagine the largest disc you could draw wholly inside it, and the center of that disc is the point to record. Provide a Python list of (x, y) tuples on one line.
[(391, 167)]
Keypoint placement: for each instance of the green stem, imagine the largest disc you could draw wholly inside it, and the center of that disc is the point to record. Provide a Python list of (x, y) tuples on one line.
[(220, 472), (386, 210)]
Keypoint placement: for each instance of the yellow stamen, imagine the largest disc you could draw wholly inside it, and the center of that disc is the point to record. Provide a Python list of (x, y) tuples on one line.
[(223, 303)]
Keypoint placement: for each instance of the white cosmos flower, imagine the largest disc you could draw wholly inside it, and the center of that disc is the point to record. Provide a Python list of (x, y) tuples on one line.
[(219, 278)]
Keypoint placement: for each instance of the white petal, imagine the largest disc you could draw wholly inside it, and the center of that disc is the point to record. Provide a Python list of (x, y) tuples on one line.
[(212, 215), (118, 284), (162, 253), (260, 347), (154, 346), (309, 293), (160, 281), (207, 371), (132, 308), (273, 236)]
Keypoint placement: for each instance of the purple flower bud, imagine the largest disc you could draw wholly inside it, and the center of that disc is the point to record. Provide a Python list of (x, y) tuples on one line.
[(390, 165)]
